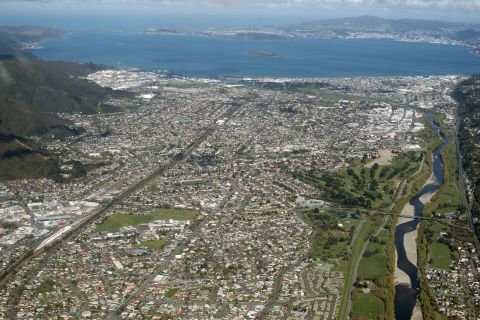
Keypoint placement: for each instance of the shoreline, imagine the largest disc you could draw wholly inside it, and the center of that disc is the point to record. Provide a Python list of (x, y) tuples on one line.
[(417, 312)]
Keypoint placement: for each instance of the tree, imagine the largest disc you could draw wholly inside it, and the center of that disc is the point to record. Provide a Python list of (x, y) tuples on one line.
[(368, 204), (78, 169), (364, 158), (373, 170)]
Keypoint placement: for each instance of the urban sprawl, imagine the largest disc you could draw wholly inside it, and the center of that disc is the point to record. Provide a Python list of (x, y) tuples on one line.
[(190, 204)]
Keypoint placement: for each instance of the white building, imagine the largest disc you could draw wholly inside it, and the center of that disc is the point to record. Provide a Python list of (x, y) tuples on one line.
[(301, 202)]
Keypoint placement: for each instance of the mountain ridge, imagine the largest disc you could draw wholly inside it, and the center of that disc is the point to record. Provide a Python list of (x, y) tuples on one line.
[(374, 21)]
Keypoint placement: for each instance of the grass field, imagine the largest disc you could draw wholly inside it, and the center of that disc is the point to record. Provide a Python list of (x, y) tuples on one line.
[(152, 244), (374, 265), (185, 84), (367, 305), (328, 94), (342, 266), (348, 267), (156, 148), (127, 107), (46, 286), (450, 191), (448, 198), (300, 128), (171, 292), (440, 256), (116, 221), (383, 235), (360, 186), (194, 182), (330, 243), (436, 228)]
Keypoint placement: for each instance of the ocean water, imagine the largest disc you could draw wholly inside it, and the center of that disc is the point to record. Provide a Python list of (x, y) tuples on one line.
[(215, 57)]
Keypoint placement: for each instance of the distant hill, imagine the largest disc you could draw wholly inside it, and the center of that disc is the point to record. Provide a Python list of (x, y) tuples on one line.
[(361, 27), (364, 27), (17, 36), (468, 34), (373, 23)]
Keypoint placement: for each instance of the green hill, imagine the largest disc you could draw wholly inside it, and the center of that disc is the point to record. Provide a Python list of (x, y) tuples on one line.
[(31, 92), (28, 33), (32, 89), (19, 159), (52, 86), (20, 119)]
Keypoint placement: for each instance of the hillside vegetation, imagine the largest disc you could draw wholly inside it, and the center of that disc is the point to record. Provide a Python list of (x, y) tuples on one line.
[(19, 160), (467, 95), (32, 92)]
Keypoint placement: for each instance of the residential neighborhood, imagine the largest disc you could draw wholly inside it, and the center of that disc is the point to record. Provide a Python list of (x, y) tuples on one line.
[(186, 204)]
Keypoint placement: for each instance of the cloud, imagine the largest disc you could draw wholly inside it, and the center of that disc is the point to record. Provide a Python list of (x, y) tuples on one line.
[(337, 4), (461, 5), (353, 4), (5, 77)]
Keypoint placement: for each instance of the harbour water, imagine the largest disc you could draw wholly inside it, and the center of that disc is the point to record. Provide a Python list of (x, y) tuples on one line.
[(294, 58)]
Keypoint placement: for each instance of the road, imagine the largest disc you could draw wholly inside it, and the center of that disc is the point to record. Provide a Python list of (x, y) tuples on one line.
[(23, 144), (277, 287), (164, 265)]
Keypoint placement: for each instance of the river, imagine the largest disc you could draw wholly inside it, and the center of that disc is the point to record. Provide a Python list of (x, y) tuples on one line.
[(406, 296)]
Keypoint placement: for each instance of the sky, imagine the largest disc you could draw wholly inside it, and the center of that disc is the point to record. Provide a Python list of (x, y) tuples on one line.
[(308, 4), (465, 5), (141, 14)]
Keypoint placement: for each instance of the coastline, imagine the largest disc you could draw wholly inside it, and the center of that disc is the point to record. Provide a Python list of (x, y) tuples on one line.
[(300, 66)]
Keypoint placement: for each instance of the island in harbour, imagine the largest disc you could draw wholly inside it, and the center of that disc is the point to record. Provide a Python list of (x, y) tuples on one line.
[(266, 54)]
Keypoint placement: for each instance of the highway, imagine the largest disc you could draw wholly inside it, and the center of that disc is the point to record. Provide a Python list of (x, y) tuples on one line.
[(53, 238)]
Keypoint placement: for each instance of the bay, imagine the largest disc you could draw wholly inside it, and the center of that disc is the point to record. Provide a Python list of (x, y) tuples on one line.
[(198, 56)]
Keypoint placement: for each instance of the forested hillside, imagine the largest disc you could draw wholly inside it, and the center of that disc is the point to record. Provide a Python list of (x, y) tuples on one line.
[(468, 96)]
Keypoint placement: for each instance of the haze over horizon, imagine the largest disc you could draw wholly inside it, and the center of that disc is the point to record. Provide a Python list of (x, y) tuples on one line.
[(219, 13)]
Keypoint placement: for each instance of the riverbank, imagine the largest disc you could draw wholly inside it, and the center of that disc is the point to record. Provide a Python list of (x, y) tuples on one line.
[(409, 237), (410, 240), (417, 312), (400, 277)]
